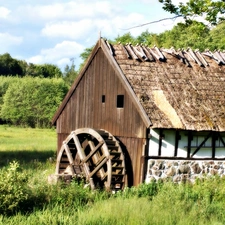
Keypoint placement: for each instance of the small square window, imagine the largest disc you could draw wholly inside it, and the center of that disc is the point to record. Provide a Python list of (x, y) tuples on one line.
[(120, 101), (103, 98)]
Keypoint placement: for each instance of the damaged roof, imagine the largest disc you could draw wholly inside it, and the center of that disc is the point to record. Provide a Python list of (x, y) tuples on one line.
[(181, 89)]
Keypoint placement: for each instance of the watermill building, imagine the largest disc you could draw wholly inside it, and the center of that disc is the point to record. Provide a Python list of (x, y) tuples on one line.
[(137, 113)]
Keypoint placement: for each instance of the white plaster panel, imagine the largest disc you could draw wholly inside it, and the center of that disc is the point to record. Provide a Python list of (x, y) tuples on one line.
[(168, 143), (153, 143)]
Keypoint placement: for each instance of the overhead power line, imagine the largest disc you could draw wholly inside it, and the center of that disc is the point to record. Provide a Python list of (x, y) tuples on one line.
[(156, 21)]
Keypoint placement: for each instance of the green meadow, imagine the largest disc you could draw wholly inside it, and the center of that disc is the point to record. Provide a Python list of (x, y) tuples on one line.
[(27, 158)]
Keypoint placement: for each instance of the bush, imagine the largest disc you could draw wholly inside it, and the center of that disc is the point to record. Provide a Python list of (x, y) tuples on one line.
[(33, 101), (4, 84), (13, 189)]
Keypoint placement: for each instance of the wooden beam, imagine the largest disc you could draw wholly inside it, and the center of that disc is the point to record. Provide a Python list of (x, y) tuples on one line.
[(182, 158), (189, 143), (160, 142), (221, 138), (204, 141), (177, 138), (70, 158), (95, 157), (214, 138), (93, 151), (97, 168), (80, 152)]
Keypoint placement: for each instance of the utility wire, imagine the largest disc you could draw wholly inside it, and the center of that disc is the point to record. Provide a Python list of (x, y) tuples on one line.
[(156, 21)]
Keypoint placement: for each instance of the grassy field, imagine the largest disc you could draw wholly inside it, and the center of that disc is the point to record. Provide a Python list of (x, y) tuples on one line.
[(27, 198), (26, 144)]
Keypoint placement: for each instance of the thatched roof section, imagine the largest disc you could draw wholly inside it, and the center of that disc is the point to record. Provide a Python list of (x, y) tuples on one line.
[(182, 89)]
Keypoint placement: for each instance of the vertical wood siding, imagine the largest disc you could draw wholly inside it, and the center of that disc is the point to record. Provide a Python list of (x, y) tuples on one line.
[(85, 109), (133, 150)]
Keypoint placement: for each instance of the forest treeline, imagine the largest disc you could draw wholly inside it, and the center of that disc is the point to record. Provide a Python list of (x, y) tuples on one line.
[(30, 101), (30, 94), (192, 34)]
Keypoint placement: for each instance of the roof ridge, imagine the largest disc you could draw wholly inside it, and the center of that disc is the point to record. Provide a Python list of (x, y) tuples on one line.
[(146, 53)]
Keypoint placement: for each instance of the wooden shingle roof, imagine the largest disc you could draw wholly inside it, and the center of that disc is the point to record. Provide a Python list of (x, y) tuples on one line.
[(181, 89)]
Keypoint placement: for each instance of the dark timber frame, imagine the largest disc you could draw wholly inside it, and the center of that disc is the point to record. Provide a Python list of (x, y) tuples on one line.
[(214, 135)]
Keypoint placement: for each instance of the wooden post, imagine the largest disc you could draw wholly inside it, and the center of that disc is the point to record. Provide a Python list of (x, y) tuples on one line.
[(160, 141), (177, 138), (214, 138), (189, 144)]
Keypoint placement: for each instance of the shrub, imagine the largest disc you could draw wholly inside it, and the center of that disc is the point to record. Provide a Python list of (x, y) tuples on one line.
[(32, 101), (13, 189)]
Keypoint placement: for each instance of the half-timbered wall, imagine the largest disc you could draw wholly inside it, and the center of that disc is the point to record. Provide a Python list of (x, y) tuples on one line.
[(101, 102), (184, 155), (186, 144)]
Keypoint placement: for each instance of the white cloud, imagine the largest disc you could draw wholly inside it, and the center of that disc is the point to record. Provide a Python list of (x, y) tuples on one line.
[(4, 12), (68, 10), (85, 28), (68, 29), (68, 23), (8, 40), (59, 55)]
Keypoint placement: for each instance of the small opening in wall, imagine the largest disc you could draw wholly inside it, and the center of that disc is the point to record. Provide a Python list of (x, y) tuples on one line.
[(103, 98), (120, 101)]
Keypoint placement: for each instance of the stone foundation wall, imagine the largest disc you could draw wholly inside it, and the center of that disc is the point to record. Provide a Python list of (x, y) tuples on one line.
[(183, 170)]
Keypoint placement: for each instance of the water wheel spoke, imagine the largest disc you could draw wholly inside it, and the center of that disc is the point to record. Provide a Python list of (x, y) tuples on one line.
[(68, 153), (98, 167), (95, 155), (67, 164), (93, 150)]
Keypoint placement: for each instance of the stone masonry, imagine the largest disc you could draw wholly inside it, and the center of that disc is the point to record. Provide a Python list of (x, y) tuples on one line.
[(183, 170)]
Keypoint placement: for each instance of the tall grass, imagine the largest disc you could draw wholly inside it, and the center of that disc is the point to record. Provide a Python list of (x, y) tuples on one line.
[(154, 203)]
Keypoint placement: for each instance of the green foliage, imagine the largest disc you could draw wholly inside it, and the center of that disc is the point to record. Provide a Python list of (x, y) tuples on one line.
[(10, 66), (86, 53), (13, 189), (43, 71), (70, 73), (84, 56), (13, 67), (212, 10), (4, 84), (194, 35), (216, 40), (32, 101), (125, 39), (143, 190)]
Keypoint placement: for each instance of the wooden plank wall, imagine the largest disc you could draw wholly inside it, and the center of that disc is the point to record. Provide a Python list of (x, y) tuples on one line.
[(133, 151), (85, 109)]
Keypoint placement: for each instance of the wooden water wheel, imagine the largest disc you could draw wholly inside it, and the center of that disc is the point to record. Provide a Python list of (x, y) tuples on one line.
[(95, 155)]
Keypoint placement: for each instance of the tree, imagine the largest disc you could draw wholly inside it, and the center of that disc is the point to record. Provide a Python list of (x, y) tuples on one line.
[(216, 40), (70, 74), (48, 71), (124, 39), (32, 101), (84, 56), (211, 10), (43, 70), (10, 66), (195, 35)]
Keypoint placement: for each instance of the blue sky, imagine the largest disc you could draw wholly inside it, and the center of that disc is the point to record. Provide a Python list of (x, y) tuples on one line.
[(53, 31)]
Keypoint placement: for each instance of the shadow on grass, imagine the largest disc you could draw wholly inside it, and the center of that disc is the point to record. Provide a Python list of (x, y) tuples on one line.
[(25, 157)]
